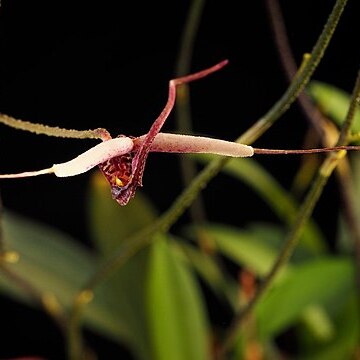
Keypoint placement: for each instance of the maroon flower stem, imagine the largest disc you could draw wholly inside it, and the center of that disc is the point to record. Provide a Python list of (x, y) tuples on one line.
[(159, 122)]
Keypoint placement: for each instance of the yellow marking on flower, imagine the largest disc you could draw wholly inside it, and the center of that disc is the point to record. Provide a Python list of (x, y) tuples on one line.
[(119, 182)]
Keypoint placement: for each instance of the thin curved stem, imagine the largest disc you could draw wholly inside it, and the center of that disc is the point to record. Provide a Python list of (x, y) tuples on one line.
[(183, 111), (188, 37), (280, 36), (287, 59), (305, 151)]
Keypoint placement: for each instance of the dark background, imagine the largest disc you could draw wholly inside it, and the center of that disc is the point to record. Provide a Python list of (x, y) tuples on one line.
[(83, 64)]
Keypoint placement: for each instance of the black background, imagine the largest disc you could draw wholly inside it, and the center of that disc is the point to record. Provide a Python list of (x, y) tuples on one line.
[(83, 64)]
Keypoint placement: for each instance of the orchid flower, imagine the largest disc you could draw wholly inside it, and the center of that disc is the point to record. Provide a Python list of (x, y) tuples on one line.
[(122, 160)]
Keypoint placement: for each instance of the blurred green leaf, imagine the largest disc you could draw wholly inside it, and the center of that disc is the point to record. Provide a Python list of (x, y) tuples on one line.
[(54, 263), (256, 249), (177, 319), (246, 248), (333, 102), (251, 173), (324, 282), (318, 323), (209, 271), (274, 236), (110, 225), (345, 343)]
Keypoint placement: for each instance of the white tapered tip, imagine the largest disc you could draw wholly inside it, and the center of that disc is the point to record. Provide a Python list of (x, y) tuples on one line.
[(178, 143), (94, 156)]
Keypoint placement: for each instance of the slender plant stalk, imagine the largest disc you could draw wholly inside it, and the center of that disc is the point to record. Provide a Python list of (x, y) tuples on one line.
[(354, 103), (287, 59), (295, 232), (145, 237), (54, 130), (188, 37), (183, 112)]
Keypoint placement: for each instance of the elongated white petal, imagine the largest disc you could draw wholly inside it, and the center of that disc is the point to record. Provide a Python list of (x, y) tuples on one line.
[(176, 143), (94, 156)]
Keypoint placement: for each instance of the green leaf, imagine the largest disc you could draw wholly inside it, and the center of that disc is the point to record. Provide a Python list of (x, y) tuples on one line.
[(243, 247), (177, 319), (110, 226), (347, 330), (333, 102), (109, 223), (54, 263), (251, 173), (325, 282), (209, 271), (318, 323)]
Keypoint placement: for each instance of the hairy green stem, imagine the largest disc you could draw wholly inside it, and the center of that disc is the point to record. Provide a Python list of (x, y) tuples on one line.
[(354, 103), (53, 130)]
